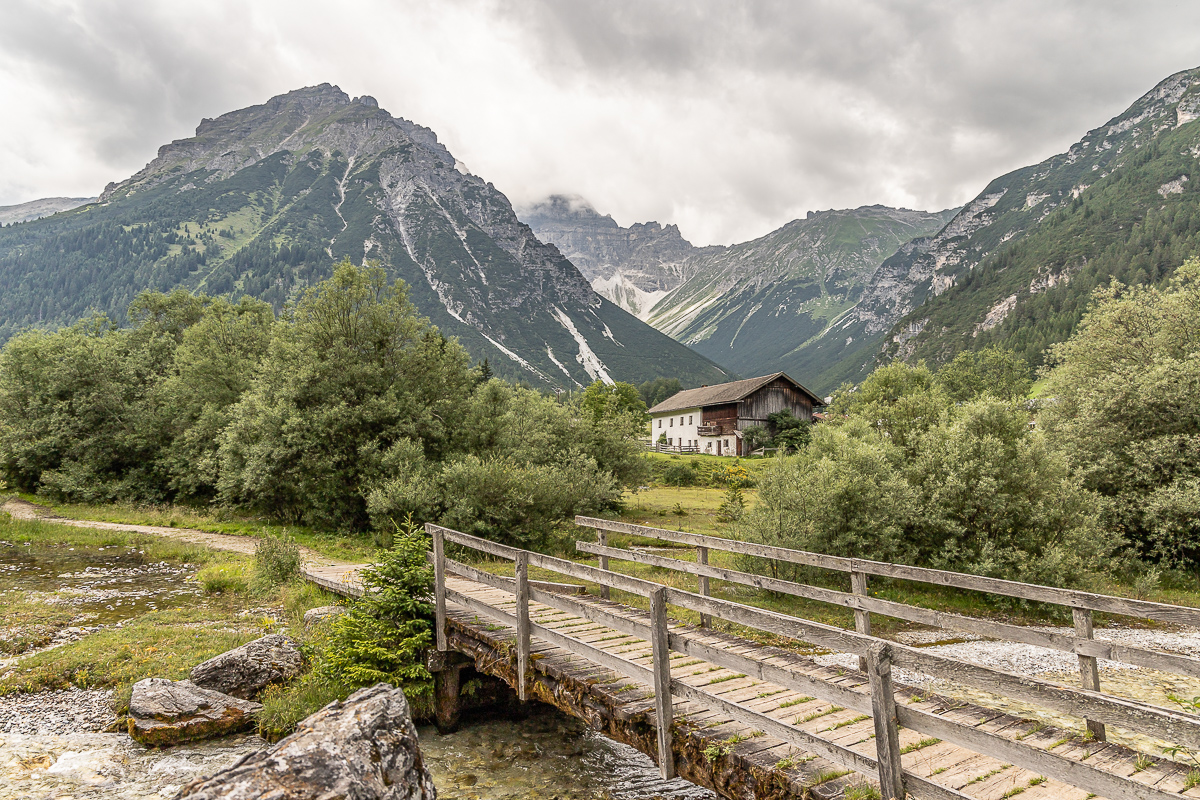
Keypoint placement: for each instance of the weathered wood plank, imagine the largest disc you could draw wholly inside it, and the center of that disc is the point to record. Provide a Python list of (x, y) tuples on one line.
[(662, 682), (1051, 765), (883, 714), (523, 624)]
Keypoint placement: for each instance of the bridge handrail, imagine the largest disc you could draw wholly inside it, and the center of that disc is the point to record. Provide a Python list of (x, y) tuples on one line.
[(1072, 598), (1179, 727), (1110, 651)]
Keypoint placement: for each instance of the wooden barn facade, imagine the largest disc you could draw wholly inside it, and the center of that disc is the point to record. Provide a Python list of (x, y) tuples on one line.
[(711, 419)]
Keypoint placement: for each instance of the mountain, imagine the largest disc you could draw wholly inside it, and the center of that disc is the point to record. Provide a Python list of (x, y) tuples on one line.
[(759, 306), (263, 200), (1018, 264), (36, 209), (634, 267)]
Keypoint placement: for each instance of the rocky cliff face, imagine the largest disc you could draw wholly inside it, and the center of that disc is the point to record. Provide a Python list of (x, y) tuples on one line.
[(1041, 226), (263, 200), (759, 306), (634, 267)]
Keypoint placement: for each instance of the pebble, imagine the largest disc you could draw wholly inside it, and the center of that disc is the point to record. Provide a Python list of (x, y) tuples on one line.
[(66, 711)]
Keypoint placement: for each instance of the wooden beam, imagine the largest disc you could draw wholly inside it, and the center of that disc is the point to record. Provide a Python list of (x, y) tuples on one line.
[(522, 581), (1089, 670), (862, 617), (883, 713), (663, 712), (439, 585)]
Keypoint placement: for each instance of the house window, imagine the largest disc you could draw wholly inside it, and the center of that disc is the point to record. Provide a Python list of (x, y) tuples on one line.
[(726, 444), (681, 421), (672, 422), (660, 422), (689, 419), (670, 442)]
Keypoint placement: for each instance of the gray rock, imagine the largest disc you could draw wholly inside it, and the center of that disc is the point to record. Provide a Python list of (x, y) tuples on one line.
[(247, 670), (362, 749), (315, 616), (165, 712)]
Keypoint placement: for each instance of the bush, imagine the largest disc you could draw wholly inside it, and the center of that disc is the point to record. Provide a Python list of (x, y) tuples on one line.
[(383, 635), (276, 561)]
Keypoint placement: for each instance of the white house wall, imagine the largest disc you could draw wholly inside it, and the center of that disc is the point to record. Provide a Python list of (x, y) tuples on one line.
[(682, 427)]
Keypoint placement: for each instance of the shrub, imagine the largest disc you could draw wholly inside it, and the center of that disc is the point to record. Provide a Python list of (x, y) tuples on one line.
[(276, 561)]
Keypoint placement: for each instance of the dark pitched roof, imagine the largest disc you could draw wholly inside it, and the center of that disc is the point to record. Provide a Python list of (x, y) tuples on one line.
[(723, 393)]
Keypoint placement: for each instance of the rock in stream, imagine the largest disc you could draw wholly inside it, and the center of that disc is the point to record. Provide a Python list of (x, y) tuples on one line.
[(364, 748)]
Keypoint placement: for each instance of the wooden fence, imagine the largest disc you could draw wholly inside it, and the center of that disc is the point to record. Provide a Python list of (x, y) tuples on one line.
[(878, 655), (1082, 604)]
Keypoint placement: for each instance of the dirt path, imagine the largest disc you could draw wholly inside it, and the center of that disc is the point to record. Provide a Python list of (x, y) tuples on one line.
[(337, 576)]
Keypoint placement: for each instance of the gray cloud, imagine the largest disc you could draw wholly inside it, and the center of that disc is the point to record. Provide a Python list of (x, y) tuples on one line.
[(729, 119)]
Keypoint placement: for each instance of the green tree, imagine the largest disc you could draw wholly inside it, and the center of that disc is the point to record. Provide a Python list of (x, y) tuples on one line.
[(214, 365), (609, 400), (789, 431), (992, 370), (385, 633), (351, 373), (1125, 411), (995, 500), (655, 391), (901, 401)]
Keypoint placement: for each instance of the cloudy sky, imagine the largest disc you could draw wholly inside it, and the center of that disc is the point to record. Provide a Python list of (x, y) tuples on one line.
[(726, 118)]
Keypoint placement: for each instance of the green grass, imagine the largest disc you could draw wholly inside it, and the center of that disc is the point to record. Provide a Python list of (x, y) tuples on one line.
[(163, 644)]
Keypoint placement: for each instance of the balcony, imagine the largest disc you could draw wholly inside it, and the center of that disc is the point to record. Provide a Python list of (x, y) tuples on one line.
[(708, 430)]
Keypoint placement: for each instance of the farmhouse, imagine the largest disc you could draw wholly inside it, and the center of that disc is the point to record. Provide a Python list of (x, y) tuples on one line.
[(711, 419)]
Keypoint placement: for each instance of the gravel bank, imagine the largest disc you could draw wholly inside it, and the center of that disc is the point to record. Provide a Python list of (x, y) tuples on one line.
[(68, 711), (1025, 659)]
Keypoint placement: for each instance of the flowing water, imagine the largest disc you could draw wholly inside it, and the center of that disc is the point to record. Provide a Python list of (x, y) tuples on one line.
[(547, 756)]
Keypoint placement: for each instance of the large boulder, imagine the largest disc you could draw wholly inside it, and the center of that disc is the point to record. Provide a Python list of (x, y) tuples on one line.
[(362, 749), (245, 671), (165, 712)]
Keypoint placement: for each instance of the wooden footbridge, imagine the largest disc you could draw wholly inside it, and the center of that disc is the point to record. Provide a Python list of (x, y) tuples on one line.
[(753, 721)]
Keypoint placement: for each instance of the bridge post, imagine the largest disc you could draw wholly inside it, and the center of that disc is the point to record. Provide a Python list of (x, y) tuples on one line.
[(1089, 670), (862, 619), (883, 712), (602, 540), (702, 558), (439, 586), (522, 573), (662, 681)]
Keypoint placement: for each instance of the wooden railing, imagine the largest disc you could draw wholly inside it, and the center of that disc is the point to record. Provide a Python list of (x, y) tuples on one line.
[(878, 655), (1082, 604)]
